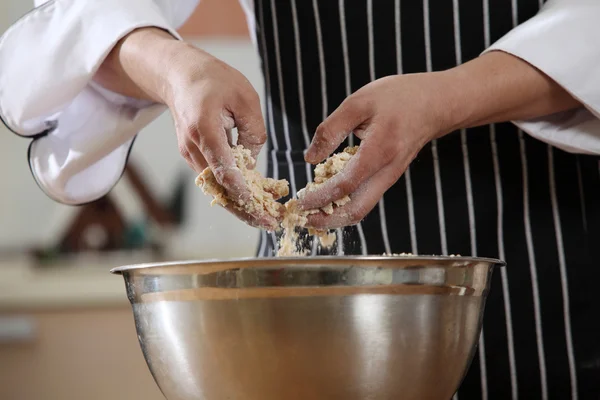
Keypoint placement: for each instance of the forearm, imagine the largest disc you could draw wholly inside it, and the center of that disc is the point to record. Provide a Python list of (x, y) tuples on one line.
[(139, 64), (499, 87)]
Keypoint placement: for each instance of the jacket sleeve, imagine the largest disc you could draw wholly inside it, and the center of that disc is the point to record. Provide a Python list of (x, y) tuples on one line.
[(562, 41), (81, 133)]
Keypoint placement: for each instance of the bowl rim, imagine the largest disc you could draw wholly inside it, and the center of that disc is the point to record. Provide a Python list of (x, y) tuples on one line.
[(305, 260)]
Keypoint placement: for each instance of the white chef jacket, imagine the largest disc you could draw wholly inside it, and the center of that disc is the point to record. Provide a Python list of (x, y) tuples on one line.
[(83, 133)]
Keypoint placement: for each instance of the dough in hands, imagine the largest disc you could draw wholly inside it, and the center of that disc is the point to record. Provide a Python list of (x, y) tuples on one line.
[(296, 218), (266, 192)]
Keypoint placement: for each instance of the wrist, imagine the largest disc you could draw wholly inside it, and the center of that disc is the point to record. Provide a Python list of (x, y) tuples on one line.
[(186, 65), (144, 58), (479, 91), (449, 103), (499, 87), (470, 95)]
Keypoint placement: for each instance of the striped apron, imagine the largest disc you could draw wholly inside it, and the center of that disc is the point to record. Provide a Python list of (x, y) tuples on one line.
[(488, 191)]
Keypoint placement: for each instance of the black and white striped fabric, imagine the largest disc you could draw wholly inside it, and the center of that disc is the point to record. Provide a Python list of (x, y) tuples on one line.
[(489, 191)]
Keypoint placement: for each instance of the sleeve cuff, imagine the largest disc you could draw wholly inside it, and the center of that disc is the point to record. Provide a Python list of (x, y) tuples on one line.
[(82, 133), (559, 41), (50, 55)]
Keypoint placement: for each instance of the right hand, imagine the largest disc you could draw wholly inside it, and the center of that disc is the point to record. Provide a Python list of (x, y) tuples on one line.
[(207, 99)]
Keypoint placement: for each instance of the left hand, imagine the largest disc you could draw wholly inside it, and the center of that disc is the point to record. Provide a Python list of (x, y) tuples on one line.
[(394, 117)]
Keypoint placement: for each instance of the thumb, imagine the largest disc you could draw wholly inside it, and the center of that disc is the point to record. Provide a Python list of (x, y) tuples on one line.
[(332, 132)]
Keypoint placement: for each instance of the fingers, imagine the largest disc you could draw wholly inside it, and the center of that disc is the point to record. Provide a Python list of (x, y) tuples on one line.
[(363, 200), (192, 155), (263, 221), (248, 117), (373, 155), (332, 132), (210, 138), (208, 141)]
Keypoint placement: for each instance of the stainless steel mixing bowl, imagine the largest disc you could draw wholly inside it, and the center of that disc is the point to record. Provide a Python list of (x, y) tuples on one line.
[(310, 328)]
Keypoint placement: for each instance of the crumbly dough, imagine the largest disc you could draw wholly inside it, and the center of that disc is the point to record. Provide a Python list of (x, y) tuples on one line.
[(294, 217), (266, 191)]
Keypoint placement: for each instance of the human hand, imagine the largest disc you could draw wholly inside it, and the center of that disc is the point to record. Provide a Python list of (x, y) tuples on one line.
[(394, 117), (207, 99)]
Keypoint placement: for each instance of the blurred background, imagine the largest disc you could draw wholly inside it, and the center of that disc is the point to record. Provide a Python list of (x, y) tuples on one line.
[(66, 330)]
